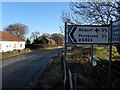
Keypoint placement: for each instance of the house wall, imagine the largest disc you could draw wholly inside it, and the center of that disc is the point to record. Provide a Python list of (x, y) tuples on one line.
[(11, 45), (21, 47)]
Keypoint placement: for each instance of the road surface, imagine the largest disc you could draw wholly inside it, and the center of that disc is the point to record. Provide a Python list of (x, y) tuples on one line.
[(19, 71)]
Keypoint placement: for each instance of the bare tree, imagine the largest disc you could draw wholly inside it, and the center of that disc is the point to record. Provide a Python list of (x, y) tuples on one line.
[(93, 12), (35, 35), (58, 38), (18, 29)]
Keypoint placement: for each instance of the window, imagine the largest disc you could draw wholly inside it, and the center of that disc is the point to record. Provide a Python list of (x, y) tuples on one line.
[(14, 46), (6, 46), (0, 46), (21, 45)]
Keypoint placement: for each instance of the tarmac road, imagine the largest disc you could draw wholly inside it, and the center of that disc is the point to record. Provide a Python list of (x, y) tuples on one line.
[(19, 71)]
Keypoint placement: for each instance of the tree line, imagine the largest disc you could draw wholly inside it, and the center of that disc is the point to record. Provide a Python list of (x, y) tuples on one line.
[(36, 38), (21, 30)]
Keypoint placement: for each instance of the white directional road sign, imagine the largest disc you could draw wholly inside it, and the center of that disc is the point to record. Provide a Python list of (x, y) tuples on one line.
[(116, 32), (88, 34)]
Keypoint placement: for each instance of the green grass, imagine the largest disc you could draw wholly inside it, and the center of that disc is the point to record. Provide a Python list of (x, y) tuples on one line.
[(100, 51), (103, 52), (14, 53)]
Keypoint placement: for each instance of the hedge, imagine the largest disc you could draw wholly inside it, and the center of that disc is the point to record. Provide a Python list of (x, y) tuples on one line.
[(38, 46)]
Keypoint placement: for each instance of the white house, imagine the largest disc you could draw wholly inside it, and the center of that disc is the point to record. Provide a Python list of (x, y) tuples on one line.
[(10, 42)]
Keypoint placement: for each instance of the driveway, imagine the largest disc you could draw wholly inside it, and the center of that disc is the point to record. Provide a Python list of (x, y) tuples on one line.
[(19, 71)]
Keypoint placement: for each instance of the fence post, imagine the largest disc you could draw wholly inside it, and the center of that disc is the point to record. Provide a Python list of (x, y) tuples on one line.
[(74, 78), (65, 75), (70, 80)]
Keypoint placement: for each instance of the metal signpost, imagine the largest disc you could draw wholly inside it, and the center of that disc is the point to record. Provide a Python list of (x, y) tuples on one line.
[(79, 34), (114, 39), (110, 53), (65, 52), (93, 34)]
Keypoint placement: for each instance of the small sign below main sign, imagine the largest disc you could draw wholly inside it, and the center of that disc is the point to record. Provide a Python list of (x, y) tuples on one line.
[(88, 34)]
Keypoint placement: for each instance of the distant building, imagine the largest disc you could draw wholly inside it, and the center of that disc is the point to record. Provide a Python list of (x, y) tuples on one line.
[(49, 41), (10, 42)]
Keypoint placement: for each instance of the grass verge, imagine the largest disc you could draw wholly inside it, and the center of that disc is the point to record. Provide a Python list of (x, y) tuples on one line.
[(13, 53), (50, 48), (51, 77)]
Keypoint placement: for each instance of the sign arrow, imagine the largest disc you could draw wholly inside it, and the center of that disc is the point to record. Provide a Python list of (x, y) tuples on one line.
[(71, 34)]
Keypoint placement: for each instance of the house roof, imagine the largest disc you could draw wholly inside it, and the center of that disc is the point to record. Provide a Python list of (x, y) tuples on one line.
[(49, 39), (6, 36)]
